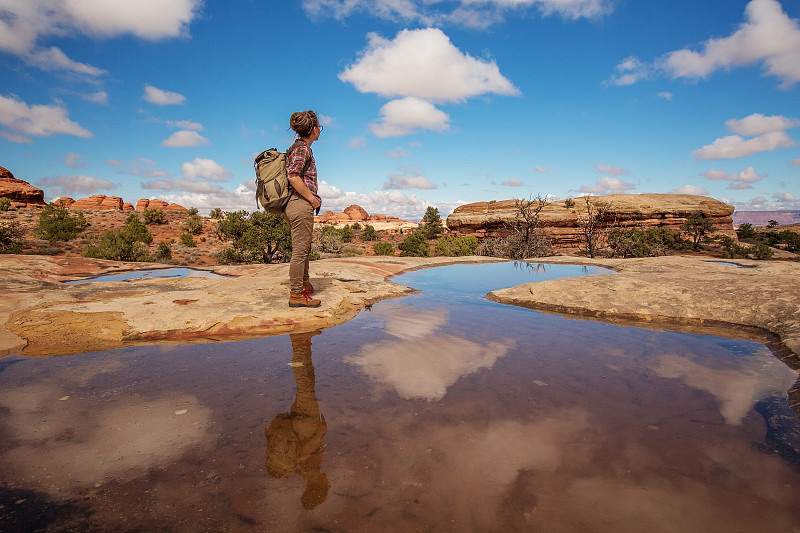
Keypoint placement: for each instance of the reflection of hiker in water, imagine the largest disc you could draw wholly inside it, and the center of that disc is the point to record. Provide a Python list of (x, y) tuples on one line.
[(295, 440)]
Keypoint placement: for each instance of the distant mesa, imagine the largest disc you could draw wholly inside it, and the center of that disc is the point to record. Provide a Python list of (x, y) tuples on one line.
[(21, 193), (560, 223), (115, 203), (763, 218), (354, 213)]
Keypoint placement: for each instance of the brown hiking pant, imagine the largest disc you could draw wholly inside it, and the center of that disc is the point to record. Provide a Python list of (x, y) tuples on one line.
[(300, 216)]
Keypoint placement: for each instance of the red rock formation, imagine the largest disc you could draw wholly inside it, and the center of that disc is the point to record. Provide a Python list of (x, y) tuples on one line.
[(93, 202), (176, 207), (20, 192), (157, 204), (356, 212), (111, 202), (142, 204), (127, 207), (66, 201), (559, 222)]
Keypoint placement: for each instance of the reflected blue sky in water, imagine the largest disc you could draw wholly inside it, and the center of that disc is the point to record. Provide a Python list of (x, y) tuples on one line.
[(442, 411)]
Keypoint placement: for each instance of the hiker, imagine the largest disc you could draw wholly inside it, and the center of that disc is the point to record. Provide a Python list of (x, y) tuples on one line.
[(299, 212)]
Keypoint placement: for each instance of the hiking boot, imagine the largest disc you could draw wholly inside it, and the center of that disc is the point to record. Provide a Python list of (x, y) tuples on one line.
[(302, 299), (308, 287)]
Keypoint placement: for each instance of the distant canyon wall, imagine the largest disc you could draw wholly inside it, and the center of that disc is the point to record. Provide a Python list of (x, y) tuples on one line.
[(560, 223)]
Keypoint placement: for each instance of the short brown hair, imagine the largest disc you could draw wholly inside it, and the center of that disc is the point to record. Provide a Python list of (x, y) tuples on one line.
[(303, 122)]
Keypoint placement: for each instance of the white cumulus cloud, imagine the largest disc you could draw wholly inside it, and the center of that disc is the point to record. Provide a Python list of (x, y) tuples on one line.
[(37, 120), (184, 138), (740, 180), (409, 179), (424, 64), (690, 189), (608, 185), (79, 185), (759, 124), (26, 23), (733, 146), (205, 168), (407, 115), (157, 96), (767, 36)]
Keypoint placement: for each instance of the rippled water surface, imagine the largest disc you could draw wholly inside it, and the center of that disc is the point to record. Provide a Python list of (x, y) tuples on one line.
[(441, 411)]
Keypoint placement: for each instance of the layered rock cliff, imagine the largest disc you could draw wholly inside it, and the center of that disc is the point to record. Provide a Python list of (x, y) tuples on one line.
[(560, 223), (21, 193)]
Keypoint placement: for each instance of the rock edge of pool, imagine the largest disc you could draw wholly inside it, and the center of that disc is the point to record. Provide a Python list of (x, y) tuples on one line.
[(40, 315)]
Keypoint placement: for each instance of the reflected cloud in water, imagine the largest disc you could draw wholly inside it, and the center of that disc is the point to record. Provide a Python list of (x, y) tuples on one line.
[(426, 361)]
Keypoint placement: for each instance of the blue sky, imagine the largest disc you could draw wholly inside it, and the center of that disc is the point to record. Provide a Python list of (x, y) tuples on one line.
[(424, 102)]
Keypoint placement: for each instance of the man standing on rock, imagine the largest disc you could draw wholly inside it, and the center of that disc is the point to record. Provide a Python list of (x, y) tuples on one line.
[(301, 169)]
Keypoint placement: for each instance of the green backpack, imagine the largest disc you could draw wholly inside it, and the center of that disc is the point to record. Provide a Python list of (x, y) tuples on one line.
[(272, 184)]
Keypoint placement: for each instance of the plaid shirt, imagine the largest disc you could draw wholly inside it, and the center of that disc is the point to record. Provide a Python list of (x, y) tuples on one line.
[(296, 162)]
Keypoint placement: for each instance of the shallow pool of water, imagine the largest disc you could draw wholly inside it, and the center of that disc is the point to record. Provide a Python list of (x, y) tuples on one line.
[(176, 272), (441, 411)]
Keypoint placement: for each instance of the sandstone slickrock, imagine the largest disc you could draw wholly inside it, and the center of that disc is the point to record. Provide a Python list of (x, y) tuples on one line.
[(20, 192), (560, 223), (356, 212)]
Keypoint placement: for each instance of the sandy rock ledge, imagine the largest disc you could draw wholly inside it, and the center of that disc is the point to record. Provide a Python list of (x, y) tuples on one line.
[(40, 315)]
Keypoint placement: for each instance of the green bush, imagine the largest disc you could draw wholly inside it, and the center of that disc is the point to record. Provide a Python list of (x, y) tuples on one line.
[(382, 248), (193, 225), (137, 230), (415, 246), (745, 231), (452, 246), (187, 240), (698, 226), (256, 237), (636, 242), (5, 204), (193, 211), (56, 224), (331, 240), (127, 244), (791, 239), (347, 233), (356, 226), (154, 216), (216, 213), (762, 252), (569, 203), (163, 252), (369, 234), (732, 249), (10, 238)]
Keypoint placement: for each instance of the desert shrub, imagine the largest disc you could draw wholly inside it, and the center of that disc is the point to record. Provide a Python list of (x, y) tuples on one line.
[(382, 248), (127, 244), (569, 203), (56, 224), (193, 211), (154, 216), (187, 240), (193, 224), (637, 242), (369, 233), (746, 231), (5, 204), (331, 240), (452, 246), (415, 246), (791, 239), (216, 213), (352, 250), (431, 224), (256, 237), (10, 238), (761, 252), (356, 226), (347, 233), (163, 252), (772, 224), (732, 249)]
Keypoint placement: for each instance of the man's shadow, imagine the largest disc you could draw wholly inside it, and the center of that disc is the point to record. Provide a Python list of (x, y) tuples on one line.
[(296, 440)]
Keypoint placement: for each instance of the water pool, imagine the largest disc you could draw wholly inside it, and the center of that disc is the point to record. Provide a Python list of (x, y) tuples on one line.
[(176, 272), (440, 411)]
